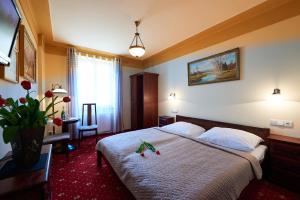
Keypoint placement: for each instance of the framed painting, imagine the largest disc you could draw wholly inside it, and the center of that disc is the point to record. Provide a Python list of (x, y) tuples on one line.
[(221, 67), (27, 56), (11, 72)]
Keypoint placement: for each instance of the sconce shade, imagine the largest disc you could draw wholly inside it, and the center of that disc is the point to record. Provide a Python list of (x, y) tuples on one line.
[(276, 91), (57, 89), (60, 91), (172, 96)]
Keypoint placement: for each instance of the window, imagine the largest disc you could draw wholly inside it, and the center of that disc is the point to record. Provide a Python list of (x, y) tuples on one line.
[(96, 83)]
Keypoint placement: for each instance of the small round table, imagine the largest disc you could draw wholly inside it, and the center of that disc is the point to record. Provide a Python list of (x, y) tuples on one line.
[(65, 128)]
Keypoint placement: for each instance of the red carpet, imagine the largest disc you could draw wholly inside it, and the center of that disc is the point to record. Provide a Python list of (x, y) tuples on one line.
[(80, 178)]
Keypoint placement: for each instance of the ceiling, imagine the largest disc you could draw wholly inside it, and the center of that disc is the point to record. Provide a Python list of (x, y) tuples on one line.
[(108, 25)]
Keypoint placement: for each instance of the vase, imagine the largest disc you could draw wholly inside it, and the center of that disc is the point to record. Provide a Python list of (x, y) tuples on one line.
[(26, 147)]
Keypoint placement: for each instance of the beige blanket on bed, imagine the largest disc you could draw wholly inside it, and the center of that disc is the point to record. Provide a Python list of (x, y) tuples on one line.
[(186, 168)]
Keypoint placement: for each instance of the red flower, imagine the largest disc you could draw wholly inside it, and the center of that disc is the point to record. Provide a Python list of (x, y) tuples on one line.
[(2, 102), (157, 152), (66, 99), (26, 85), (49, 94), (22, 100), (57, 121), (142, 154)]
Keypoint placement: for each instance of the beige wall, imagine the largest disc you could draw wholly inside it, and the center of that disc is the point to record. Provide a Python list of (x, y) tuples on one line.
[(8, 89), (270, 58), (56, 72)]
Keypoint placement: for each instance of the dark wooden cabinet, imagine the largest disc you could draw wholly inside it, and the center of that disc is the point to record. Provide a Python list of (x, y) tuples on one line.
[(165, 120), (284, 161), (144, 100), (29, 185)]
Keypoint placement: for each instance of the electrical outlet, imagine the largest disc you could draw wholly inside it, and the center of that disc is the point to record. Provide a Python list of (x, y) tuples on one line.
[(174, 110), (281, 123), (288, 124)]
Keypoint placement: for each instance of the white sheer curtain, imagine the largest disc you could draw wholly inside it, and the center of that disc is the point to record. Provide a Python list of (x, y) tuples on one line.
[(98, 80)]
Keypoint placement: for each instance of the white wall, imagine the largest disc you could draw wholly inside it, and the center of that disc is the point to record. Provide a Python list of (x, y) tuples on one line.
[(127, 72), (270, 58)]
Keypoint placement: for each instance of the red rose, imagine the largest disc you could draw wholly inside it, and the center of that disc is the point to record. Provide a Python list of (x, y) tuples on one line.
[(26, 85), (157, 152), (49, 94), (57, 121), (2, 102), (142, 154), (66, 99), (22, 100)]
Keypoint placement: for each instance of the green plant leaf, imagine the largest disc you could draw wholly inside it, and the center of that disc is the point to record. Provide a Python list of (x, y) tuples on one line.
[(9, 133), (10, 102), (149, 146), (141, 148), (3, 122)]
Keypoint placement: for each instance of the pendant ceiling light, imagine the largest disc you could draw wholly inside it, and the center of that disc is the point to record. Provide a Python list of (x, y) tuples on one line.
[(137, 48)]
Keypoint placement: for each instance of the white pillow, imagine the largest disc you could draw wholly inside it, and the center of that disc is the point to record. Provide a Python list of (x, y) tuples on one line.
[(231, 138), (184, 128)]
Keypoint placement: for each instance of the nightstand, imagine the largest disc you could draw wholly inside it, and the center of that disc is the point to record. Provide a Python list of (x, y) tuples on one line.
[(284, 161), (165, 120)]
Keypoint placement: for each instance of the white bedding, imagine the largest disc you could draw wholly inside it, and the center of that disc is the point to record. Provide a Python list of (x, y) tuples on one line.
[(259, 152), (221, 173)]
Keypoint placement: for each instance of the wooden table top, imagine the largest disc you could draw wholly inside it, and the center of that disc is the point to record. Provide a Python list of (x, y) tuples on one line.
[(284, 138), (25, 181)]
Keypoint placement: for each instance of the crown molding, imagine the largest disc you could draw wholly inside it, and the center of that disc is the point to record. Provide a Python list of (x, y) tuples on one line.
[(59, 48)]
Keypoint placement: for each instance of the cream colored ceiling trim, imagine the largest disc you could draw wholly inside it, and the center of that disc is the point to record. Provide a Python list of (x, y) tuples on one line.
[(27, 10), (41, 11), (61, 49), (265, 14)]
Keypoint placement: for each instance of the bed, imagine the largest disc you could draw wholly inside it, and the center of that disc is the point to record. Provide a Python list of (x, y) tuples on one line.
[(187, 168)]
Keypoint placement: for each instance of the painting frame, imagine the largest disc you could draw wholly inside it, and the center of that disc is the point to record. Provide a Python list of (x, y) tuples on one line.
[(27, 56), (11, 72), (233, 74)]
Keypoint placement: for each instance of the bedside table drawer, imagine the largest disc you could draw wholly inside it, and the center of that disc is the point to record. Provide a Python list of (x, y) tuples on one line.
[(164, 120), (287, 164), (283, 149)]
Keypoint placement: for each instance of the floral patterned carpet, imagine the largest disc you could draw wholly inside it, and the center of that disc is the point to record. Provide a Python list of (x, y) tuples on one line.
[(80, 178)]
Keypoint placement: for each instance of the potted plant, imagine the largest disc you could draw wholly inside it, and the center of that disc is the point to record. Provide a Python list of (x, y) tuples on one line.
[(23, 124)]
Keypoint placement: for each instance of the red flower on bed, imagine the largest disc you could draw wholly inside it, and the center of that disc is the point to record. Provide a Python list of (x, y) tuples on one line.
[(157, 152)]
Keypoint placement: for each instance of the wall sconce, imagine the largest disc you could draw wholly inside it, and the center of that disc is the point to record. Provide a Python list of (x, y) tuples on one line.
[(172, 96), (57, 89), (276, 91), (276, 96)]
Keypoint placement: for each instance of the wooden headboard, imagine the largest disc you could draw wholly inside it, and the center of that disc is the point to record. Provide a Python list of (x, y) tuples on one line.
[(208, 124)]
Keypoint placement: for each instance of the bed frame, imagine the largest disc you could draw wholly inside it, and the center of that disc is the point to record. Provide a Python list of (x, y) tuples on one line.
[(208, 124)]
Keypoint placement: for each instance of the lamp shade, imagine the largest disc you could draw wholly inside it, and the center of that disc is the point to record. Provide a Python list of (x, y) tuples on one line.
[(59, 91), (137, 51)]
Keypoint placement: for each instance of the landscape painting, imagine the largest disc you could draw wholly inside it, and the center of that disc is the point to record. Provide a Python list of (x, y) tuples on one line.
[(217, 68)]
